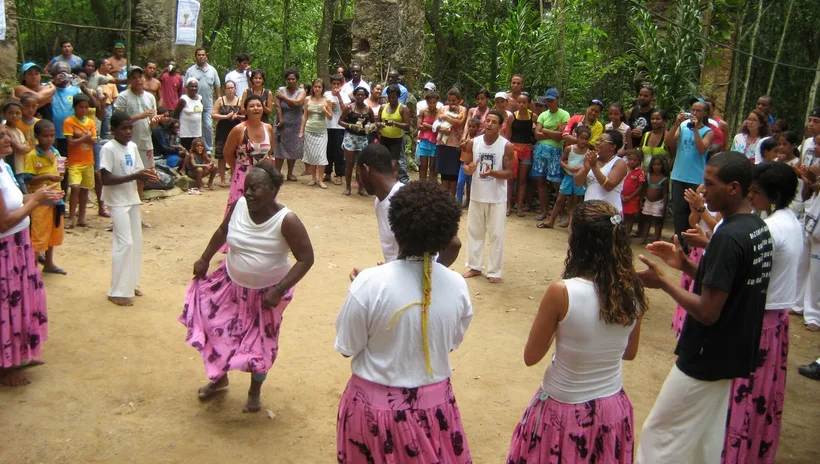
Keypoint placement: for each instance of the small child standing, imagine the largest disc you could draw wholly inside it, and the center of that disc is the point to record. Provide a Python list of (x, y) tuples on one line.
[(81, 133), (467, 157), (197, 165), (45, 167), (26, 123), (426, 147), (634, 187), (571, 161), (657, 197), (120, 168), (12, 113)]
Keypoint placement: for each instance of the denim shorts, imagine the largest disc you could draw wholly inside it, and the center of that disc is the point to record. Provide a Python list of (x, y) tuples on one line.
[(568, 187)]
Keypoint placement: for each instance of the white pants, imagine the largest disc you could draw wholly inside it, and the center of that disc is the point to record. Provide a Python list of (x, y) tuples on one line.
[(808, 282), (126, 256), (687, 423), (802, 274), (486, 220)]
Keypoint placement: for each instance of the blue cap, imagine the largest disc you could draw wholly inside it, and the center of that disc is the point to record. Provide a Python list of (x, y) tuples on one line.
[(29, 65), (552, 94)]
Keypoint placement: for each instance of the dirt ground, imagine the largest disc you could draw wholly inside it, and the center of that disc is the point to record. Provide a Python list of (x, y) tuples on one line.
[(120, 383)]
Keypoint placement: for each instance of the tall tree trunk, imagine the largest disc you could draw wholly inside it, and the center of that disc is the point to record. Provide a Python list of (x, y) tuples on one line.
[(432, 16), (706, 28), (559, 18), (752, 41), (323, 42), (780, 47), (285, 21), (222, 18), (732, 104), (813, 91)]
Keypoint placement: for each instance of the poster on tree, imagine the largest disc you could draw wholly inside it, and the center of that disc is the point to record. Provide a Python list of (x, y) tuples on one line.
[(187, 17), (3, 20)]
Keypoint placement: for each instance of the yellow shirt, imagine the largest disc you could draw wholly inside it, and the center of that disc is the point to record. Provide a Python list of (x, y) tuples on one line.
[(83, 154), (37, 164), (28, 131)]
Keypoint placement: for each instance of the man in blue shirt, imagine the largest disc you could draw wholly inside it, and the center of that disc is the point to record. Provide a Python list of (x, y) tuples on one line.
[(68, 57), (62, 105), (208, 80), (393, 79)]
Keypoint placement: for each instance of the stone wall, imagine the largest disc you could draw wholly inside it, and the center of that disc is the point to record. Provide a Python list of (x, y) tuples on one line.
[(154, 33), (8, 47), (389, 34)]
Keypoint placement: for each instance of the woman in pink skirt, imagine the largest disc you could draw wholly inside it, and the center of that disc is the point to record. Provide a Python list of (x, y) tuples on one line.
[(23, 320), (248, 143), (756, 403), (399, 323), (580, 412), (707, 221), (233, 315)]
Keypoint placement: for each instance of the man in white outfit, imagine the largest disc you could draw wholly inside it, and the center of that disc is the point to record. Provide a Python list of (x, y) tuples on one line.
[(808, 300), (491, 166)]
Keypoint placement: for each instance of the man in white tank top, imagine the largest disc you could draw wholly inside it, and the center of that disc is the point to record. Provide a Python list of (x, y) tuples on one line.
[(490, 168)]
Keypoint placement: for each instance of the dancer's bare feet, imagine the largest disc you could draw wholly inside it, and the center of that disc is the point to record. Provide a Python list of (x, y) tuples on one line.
[(121, 301), (813, 327), (137, 292), (494, 280), (208, 390), (254, 403), (471, 273), (13, 378)]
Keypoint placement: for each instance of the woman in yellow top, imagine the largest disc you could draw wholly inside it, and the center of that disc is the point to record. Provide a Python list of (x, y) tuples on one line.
[(393, 119), (653, 143)]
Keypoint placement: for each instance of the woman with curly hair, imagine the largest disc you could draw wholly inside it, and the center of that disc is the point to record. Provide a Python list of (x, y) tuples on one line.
[(399, 323), (233, 314), (753, 131), (580, 411)]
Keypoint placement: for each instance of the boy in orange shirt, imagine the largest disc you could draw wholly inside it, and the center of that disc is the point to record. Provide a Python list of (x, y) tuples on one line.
[(81, 133), (42, 169)]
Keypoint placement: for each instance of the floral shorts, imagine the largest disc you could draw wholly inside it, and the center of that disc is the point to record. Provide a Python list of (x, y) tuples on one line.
[(353, 142)]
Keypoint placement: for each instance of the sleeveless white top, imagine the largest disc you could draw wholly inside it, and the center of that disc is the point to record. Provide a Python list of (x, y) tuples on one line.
[(190, 121), (488, 157), (257, 253), (587, 360), (596, 192)]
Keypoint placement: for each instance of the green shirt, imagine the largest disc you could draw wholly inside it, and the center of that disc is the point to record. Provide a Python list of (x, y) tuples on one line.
[(550, 121)]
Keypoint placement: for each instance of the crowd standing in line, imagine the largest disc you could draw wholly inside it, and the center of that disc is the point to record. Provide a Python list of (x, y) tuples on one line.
[(745, 237)]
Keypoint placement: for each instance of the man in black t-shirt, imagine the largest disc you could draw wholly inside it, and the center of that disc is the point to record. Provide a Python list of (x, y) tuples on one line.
[(639, 116), (721, 334)]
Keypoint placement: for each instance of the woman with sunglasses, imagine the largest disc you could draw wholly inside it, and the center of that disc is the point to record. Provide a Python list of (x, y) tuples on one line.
[(603, 171)]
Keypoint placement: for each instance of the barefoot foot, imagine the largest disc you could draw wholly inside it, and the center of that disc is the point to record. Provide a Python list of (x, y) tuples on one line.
[(254, 403), (137, 292), (121, 301), (494, 280), (13, 378), (346, 192), (208, 390), (471, 273)]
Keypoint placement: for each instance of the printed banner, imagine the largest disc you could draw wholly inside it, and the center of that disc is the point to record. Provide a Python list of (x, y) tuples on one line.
[(187, 16), (2, 20)]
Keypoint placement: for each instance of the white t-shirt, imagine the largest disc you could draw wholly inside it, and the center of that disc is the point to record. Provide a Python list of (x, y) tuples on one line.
[(333, 123), (348, 87), (133, 105), (257, 253), (12, 197), (421, 106), (751, 150), (785, 230), (190, 121), (121, 160), (240, 79), (488, 157), (389, 246), (808, 153), (396, 357)]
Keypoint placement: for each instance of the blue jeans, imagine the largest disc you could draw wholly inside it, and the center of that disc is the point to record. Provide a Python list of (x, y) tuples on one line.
[(105, 126), (403, 177), (463, 180), (208, 129)]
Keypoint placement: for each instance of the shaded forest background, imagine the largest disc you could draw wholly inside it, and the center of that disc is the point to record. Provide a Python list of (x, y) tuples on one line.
[(600, 48)]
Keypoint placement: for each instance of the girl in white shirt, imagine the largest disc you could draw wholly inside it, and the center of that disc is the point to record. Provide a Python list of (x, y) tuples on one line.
[(399, 323), (233, 314), (580, 411), (756, 403)]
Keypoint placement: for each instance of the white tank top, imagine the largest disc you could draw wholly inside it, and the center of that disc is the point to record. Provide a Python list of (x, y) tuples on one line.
[(257, 253), (596, 192), (488, 157), (190, 121), (587, 360)]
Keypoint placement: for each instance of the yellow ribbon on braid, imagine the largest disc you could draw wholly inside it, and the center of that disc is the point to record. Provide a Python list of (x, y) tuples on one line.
[(426, 287)]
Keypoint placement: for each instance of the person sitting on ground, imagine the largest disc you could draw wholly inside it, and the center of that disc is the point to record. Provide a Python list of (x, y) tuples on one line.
[(44, 168), (594, 315), (198, 165), (162, 139)]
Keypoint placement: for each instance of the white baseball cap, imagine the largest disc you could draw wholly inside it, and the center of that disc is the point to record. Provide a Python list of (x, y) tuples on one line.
[(500, 95), (429, 86)]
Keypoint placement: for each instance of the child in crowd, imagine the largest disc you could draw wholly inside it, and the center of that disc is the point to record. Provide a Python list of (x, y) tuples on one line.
[(616, 121), (571, 161), (173, 130), (634, 187), (473, 126), (770, 150), (110, 92), (657, 197), (81, 133), (45, 167), (27, 121), (198, 164), (12, 113), (121, 166), (426, 147), (788, 145), (443, 125)]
